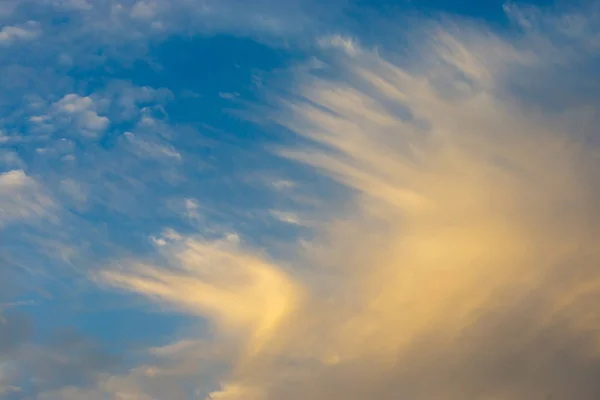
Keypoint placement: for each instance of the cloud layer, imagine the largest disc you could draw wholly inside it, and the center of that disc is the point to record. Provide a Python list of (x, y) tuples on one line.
[(464, 265)]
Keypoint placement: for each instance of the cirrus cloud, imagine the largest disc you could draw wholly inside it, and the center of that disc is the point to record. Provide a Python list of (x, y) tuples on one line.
[(465, 265)]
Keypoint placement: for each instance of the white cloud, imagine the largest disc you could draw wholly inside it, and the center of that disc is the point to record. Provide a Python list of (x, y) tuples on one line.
[(11, 34), (90, 116), (346, 44), (152, 149), (286, 216), (83, 112), (73, 103), (74, 113), (21, 198)]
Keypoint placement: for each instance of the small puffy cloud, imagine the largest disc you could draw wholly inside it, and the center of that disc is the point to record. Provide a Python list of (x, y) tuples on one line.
[(15, 33), (73, 103), (75, 114), (83, 112)]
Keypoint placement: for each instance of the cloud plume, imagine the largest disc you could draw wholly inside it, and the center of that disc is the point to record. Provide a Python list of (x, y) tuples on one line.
[(465, 264)]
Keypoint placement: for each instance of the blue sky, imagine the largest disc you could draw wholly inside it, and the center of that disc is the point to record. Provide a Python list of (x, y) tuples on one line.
[(199, 199)]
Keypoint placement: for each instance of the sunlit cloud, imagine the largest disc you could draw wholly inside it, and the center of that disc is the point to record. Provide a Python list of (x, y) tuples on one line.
[(414, 216), (242, 293), (465, 265)]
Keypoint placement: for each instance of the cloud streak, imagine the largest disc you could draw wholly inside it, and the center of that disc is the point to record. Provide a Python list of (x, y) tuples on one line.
[(464, 265), (239, 291), (21, 198)]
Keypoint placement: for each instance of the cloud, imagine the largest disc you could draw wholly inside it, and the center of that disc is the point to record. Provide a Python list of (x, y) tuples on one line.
[(21, 198), (143, 9), (177, 371), (9, 158), (28, 369), (64, 116), (74, 113), (346, 44), (125, 101), (139, 21), (11, 34), (286, 216), (240, 291), (80, 5), (74, 190), (149, 149), (7, 8), (82, 110), (465, 265), (228, 96), (89, 117), (245, 296), (14, 331)]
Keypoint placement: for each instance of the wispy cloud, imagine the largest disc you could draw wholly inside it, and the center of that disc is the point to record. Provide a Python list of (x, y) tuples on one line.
[(286, 216), (346, 44), (465, 266), (243, 293), (21, 198)]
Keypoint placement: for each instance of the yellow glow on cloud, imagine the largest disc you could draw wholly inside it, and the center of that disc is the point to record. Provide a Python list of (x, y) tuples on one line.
[(473, 239), (237, 290)]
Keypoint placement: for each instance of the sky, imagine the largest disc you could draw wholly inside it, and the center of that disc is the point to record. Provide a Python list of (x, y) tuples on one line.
[(289, 200)]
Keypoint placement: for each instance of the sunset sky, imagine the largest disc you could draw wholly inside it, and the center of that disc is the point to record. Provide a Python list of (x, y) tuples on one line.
[(299, 199)]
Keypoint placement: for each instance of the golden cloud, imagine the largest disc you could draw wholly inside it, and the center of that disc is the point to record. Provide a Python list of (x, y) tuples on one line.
[(467, 266)]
